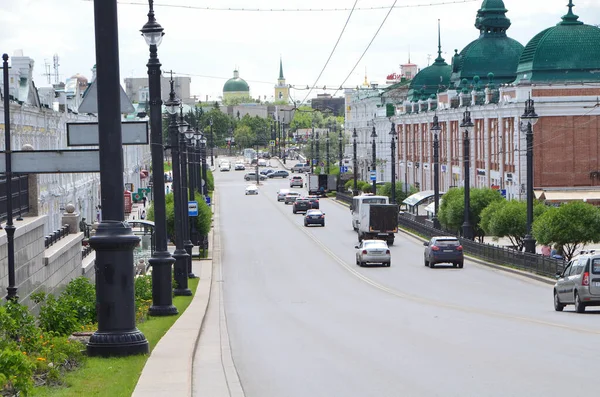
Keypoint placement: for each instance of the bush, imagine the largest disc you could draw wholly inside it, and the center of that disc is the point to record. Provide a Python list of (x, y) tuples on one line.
[(203, 220), (210, 180)]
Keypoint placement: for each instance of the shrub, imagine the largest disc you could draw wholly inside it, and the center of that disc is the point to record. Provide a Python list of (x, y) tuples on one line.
[(59, 315), (16, 372), (203, 220), (84, 294)]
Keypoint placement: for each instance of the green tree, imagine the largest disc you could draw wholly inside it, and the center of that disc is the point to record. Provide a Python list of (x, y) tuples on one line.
[(401, 195), (569, 226), (244, 137), (508, 219)]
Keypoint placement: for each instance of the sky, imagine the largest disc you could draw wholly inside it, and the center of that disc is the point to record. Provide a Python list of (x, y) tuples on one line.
[(208, 39)]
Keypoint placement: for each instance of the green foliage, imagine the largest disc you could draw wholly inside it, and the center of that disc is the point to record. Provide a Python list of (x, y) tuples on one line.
[(570, 226), (59, 315), (508, 219), (260, 128), (244, 136), (143, 287), (401, 195), (210, 180), (83, 293), (16, 372), (203, 219)]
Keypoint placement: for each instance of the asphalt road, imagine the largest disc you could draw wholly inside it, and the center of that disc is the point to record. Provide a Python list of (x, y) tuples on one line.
[(304, 320)]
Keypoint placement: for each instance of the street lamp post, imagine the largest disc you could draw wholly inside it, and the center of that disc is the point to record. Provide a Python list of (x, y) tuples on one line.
[(183, 133), (467, 125), (204, 184), (190, 230), (393, 151), (354, 164), (230, 139), (531, 118), (114, 240), (312, 151), (284, 137), (212, 144), (327, 152), (197, 139), (435, 129), (341, 158), (374, 160), (161, 260), (180, 254), (317, 145)]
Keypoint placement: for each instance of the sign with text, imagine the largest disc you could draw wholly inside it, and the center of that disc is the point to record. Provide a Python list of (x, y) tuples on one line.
[(192, 208), (372, 175)]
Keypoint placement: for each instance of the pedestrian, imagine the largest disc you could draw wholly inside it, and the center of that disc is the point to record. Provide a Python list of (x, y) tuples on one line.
[(553, 251), (144, 201), (82, 225), (143, 216), (545, 250), (99, 213), (167, 189)]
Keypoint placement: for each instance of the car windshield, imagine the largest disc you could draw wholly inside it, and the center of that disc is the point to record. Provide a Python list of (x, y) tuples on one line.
[(375, 244), (313, 212), (447, 243)]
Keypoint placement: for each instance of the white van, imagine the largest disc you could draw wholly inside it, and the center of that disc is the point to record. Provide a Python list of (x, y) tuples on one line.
[(359, 201)]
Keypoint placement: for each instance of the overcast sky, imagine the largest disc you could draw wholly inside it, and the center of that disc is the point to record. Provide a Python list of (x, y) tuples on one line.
[(207, 44)]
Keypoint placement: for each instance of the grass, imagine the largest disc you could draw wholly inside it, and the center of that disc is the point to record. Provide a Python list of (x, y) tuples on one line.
[(117, 376)]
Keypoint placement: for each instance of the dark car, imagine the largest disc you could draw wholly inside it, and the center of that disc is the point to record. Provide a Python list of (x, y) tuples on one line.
[(266, 171), (314, 217), (301, 205), (314, 202), (279, 174), (443, 249)]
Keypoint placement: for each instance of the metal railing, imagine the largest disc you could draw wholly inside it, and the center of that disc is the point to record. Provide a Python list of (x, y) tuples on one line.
[(20, 196), (85, 251), (343, 197), (56, 235), (534, 263)]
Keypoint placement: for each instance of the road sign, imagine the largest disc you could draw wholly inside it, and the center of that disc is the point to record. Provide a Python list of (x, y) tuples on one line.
[(503, 193), (343, 169), (192, 208), (86, 134), (53, 161), (372, 175), (89, 103), (271, 143), (314, 161), (207, 199)]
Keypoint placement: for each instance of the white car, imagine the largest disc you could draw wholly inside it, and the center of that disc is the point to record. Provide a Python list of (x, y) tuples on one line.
[(239, 166), (262, 162), (281, 194), (373, 251), (251, 189), (224, 167)]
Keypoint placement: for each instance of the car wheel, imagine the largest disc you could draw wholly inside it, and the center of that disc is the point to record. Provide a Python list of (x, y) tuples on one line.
[(323, 224), (579, 306), (431, 265), (294, 211), (390, 242), (389, 264), (557, 305), (305, 224), (426, 263), (460, 265)]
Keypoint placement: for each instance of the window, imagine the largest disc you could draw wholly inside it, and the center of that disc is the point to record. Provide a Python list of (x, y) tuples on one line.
[(447, 243), (567, 269), (596, 265)]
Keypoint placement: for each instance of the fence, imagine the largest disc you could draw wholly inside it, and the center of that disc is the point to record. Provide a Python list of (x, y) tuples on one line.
[(20, 196), (56, 235), (343, 197), (543, 265)]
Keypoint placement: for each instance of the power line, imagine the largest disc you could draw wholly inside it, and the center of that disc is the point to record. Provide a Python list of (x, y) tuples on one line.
[(331, 53)]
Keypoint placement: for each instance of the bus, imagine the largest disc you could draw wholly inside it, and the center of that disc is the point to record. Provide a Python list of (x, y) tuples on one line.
[(358, 201)]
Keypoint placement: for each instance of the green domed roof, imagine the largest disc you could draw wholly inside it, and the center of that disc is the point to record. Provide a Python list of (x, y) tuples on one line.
[(567, 52), (493, 51), (236, 84)]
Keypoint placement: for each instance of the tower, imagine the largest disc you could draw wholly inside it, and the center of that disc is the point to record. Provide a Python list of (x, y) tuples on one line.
[(282, 90)]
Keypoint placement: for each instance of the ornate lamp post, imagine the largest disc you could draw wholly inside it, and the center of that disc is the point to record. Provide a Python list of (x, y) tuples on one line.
[(204, 186), (197, 139), (327, 150), (212, 144), (317, 145), (180, 254), (312, 150), (374, 160), (230, 139), (187, 243), (354, 164), (435, 129), (531, 118), (393, 151), (341, 157), (467, 126), (190, 230)]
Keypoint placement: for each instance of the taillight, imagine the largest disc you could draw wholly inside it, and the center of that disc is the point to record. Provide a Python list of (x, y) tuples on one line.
[(387, 252), (586, 279), (435, 248), (364, 252), (322, 216), (459, 248)]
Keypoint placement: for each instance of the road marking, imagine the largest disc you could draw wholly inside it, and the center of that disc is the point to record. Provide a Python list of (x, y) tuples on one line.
[(432, 302)]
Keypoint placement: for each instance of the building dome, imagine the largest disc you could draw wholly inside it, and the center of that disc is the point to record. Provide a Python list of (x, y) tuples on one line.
[(493, 51), (82, 81), (566, 52), (236, 84)]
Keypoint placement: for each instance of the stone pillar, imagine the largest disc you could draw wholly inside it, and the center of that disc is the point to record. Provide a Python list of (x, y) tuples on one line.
[(71, 218)]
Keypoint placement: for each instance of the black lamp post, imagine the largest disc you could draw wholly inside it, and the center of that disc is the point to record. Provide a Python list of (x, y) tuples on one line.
[(341, 157), (317, 145), (531, 118), (230, 139), (374, 160), (197, 138), (204, 185), (393, 151), (327, 151), (467, 125), (435, 129), (9, 227), (212, 144), (114, 240), (354, 164), (180, 254), (312, 151), (190, 222), (183, 133), (284, 137), (161, 260)]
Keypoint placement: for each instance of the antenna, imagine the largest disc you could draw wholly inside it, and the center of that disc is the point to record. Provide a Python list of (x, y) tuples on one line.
[(428, 59), (56, 65), (47, 70)]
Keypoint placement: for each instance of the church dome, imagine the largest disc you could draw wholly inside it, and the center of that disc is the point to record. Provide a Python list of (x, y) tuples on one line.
[(236, 84), (566, 52), (493, 51), (82, 81)]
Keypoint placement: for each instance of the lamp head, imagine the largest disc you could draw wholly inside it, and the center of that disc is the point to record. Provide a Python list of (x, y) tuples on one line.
[(435, 127), (374, 133), (393, 130), (354, 134), (466, 123), (530, 114), (173, 102), (189, 132), (152, 31)]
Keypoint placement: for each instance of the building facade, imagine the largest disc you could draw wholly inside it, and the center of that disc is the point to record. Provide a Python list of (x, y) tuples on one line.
[(136, 88)]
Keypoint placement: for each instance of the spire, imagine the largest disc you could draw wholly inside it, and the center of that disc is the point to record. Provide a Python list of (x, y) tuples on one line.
[(569, 18), (409, 54), (366, 82), (439, 58), (281, 69), (491, 18)]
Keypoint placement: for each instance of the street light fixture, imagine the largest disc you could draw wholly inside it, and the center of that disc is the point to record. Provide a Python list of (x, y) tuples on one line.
[(161, 260), (531, 118), (374, 160), (435, 129), (198, 136), (211, 143), (187, 243), (180, 254), (312, 150), (191, 222), (354, 164), (467, 126), (341, 158), (327, 151), (318, 159), (393, 151), (204, 166)]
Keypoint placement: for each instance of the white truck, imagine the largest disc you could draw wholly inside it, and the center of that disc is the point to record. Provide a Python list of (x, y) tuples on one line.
[(321, 184), (374, 218)]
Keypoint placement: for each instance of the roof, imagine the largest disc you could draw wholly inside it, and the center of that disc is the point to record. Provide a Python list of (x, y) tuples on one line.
[(431, 207), (419, 197), (544, 58), (236, 84)]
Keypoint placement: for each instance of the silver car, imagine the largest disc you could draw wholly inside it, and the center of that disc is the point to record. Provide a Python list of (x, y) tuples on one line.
[(281, 194), (291, 197), (373, 251), (579, 283)]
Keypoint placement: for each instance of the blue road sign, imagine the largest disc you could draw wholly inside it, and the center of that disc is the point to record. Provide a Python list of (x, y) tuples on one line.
[(503, 192), (314, 161), (192, 208), (343, 169), (207, 199), (373, 175)]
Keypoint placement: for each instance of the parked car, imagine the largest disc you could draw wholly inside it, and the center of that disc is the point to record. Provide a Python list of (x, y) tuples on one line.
[(291, 197), (239, 166), (279, 174), (443, 249), (301, 205), (281, 193), (266, 171), (314, 201), (251, 176), (262, 162), (251, 189), (373, 251), (579, 283), (300, 167), (296, 181), (314, 217)]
